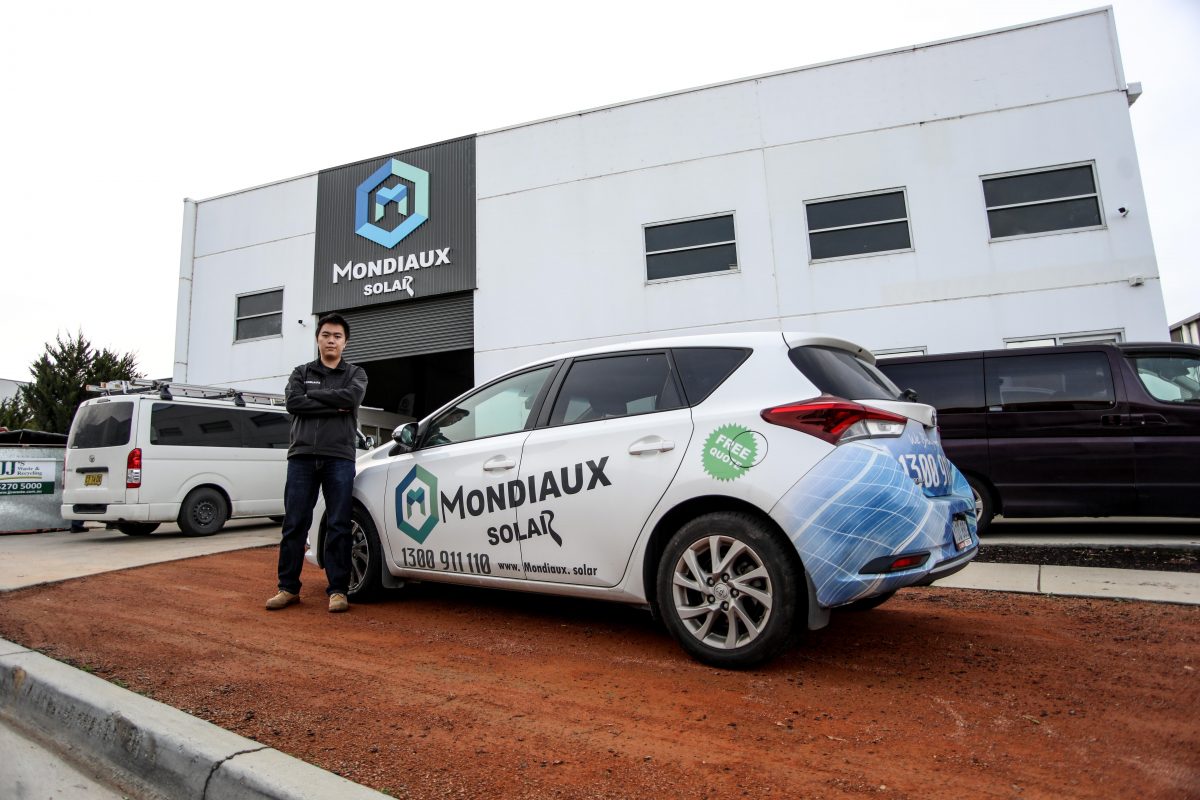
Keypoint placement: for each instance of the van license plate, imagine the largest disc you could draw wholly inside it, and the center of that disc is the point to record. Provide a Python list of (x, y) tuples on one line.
[(93, 479), (962, 534)]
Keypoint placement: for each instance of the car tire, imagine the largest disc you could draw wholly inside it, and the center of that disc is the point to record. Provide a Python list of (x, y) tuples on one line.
[(366, 560), (983, 504), (137, 528), (701, 607), (867, 603), (204, 512)]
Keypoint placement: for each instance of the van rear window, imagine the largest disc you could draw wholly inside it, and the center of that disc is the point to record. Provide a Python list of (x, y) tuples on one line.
[(841, 374), (101, 425)]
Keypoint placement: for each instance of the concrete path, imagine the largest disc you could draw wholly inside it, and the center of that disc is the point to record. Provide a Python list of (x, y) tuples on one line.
[(1130, 584), (31, 559)]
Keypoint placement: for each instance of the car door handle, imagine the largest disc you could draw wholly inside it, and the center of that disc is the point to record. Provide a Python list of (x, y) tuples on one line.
[(653, 445), (1148, 419), (498, 463)]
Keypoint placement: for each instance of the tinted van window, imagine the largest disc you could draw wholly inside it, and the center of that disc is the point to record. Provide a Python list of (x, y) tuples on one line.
[(953, 386), (615, 386), (183, 425), (703, 369), (102, 425), (841, 374), (266, 429), (1051, 382)]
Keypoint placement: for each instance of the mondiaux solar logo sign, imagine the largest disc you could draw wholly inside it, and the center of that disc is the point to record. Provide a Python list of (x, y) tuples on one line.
[(396, 228)]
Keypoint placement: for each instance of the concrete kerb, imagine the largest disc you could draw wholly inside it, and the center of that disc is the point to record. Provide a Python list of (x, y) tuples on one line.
[(147, 746)]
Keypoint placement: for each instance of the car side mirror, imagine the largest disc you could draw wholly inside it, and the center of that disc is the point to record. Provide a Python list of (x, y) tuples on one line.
[(406, 437)]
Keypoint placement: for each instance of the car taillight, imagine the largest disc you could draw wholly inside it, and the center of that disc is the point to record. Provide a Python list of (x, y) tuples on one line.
[(836, 421), (63, 479), (133, 469)]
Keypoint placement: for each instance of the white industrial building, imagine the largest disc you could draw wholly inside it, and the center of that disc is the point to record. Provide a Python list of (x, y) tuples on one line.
[(973, 193)]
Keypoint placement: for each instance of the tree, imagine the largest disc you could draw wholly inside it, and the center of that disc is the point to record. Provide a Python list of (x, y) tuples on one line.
[(12, 414), (59, 376)]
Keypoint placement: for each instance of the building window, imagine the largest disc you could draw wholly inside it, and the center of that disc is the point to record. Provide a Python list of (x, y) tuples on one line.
[(1054, 199), (858, 225), (259, 315), (691, 247), (1052, 340), (902, 352)]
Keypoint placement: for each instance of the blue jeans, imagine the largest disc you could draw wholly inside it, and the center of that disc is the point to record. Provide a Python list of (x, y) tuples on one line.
[(334, 477)]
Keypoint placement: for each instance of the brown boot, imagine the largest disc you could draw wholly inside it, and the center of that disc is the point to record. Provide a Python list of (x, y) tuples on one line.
[(338, 603), (282, 600)]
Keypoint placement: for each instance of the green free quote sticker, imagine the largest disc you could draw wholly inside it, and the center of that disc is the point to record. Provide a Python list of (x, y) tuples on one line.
[(731, 450)]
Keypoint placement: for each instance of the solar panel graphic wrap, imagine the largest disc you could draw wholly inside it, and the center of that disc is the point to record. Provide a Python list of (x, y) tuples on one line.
[(859, 503)]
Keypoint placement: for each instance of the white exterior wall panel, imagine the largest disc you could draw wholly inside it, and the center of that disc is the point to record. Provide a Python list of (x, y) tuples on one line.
[(561, 206), (248, 242)]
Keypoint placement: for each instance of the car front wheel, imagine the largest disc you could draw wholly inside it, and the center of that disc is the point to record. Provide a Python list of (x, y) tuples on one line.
[(727, 590)]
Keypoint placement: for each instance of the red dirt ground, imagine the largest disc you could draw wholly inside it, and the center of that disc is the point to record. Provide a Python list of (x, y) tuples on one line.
[(441, 691)]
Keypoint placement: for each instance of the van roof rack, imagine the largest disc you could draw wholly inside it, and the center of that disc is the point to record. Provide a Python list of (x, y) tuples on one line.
[(167, 390)]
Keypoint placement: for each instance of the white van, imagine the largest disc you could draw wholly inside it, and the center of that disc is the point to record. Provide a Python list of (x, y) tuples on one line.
[(138, 460)]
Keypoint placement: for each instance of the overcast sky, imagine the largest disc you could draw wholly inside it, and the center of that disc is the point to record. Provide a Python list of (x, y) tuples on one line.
[(115, 111)]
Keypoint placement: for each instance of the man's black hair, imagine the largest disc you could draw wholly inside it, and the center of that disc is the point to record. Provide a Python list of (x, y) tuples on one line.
[(334, 319)]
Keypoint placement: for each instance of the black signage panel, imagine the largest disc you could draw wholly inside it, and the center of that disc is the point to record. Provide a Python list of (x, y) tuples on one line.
[(396, 228)]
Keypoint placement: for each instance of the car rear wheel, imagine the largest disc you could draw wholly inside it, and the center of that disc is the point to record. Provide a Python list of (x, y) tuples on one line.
[(727, 590), (365, 559), (204, 512), (137, 528), (983, 504)]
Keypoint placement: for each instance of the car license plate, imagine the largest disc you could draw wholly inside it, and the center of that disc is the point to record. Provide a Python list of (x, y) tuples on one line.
[(93, 479), (962, 534)]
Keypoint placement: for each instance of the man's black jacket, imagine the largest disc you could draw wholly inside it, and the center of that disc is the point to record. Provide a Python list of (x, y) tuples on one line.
[(324, 405)]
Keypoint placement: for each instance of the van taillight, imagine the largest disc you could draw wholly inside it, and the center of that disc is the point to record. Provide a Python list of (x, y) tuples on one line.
[(836, 420), (133, 469), (63, 480)]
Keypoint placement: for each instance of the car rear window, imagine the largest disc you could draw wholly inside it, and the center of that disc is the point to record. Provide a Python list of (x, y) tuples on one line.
[(102, 425), (703, 369), (842, 374), (952, 386)]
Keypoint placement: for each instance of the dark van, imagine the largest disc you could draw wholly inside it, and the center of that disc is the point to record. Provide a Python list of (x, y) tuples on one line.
[(1093, 430)]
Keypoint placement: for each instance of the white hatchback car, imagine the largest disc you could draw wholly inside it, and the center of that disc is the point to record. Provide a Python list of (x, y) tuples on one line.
[(741, 485)]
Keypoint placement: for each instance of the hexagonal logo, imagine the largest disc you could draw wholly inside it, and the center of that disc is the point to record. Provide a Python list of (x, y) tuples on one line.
[(417, 504), (398, 194)]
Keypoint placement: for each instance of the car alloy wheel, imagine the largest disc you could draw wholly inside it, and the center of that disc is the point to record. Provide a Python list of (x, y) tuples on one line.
[(727, 589), (722, 592)]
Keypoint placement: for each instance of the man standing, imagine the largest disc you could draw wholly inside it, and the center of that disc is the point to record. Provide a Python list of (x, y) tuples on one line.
[(323, 398)]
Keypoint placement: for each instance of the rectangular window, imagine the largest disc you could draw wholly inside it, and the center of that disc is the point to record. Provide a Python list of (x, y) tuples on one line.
[(858, 225), (259, 315), (616, 386), (691, 247), (1064, 338), (1056, 199), (184, 425), (102, 425), (1050, 382), (952, 386)]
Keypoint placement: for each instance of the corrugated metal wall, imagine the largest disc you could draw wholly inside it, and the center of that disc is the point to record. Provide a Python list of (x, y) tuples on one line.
[(411, 328)]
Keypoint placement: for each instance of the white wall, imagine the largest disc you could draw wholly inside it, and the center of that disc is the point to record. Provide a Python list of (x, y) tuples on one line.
[(561, 204), (251, 241)]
